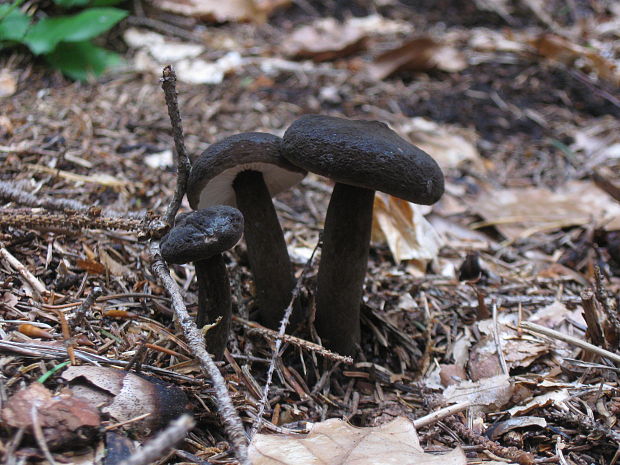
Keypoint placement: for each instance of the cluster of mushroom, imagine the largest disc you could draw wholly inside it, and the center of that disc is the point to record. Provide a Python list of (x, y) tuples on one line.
[(246, 170)]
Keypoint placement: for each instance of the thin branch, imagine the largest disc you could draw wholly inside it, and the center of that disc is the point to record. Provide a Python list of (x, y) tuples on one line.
[(278, 344), (296, 341), (168, 84), (571, 340), (153, 450), (196, 342), (75, 221)]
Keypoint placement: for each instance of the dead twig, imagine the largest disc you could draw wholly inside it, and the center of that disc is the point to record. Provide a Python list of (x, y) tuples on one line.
[(31, 279), (168, 84), (196, 342), (165, 440), (512, 453), (296, 341), (534, 328)]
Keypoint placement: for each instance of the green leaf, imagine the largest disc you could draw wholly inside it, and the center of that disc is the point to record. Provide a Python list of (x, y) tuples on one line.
[(71, 3), (80, 60), (44, 36), (13, 24), (105, 2)]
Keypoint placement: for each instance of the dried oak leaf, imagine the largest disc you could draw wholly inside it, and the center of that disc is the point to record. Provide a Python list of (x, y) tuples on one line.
[(421, 54), (338, 443), (64, 418), (326, 39)]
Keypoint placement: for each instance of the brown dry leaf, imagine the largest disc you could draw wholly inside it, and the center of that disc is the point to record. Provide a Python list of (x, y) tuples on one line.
[(64, 418), (220, 11), (519, 351), (126, 395), (450, 146), (520, 212), (338, 443), (421, 54), (326, 39), (560, 49), (114, 267), (92, 266), (409, 235)]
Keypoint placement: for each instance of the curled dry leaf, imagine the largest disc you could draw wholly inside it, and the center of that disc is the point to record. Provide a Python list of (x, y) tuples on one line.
[(421, 54), (338, 443), (326, 39), (66, 420), (126, 396), (409, 235)]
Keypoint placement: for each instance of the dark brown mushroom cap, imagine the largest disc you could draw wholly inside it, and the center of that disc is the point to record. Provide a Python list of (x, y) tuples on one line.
[(202, 234), (210, 181), (365, 154)]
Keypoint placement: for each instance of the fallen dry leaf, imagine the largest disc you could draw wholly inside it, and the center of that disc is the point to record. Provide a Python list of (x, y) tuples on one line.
[(421, 54), (335, 442), (560, 49), (489, 393), (325, 39), (520, 212), (451, 147), (215, 10), (8, 83), (125, 396), (409, 235), (65, 418)]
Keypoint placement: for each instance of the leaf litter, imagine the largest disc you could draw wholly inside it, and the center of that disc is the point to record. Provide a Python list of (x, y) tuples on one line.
[(518, 126)]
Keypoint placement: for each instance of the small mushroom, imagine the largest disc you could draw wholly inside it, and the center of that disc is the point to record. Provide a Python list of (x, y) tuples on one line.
[(245, 171), (361, 156), (201, 237)]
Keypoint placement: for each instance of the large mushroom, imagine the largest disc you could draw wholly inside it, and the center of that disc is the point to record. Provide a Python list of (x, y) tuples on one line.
[(246, 170), (362, 157), (201, 237)]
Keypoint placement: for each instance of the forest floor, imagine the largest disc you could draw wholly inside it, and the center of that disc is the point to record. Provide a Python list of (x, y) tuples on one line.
[(519, 103)]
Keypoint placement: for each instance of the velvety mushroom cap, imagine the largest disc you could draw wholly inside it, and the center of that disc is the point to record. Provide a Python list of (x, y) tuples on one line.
[(365, 154), (210, 181), (202, 234)]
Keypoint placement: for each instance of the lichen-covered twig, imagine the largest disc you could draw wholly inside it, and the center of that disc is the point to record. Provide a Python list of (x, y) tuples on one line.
[(168, 84), (517, 455), (195, 340), (74, 221), (296, 341), (11, 193)]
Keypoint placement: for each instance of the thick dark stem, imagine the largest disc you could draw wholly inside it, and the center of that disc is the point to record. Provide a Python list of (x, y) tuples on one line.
[(213, 302), (269, 260), (344, 258)]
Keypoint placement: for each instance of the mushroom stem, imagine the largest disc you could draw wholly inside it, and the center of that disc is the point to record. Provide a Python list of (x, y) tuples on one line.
[(267, 253), (344, 258), (214, 301)]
